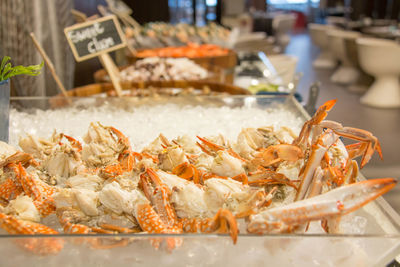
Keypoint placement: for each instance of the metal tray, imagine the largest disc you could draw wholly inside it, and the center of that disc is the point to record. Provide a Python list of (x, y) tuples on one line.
[(376, 247)]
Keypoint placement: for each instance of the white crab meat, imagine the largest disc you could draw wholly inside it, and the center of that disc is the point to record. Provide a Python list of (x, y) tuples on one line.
[(102, 147), (145, 163), (6, 150), (189, 202), (226, 193), (172, 157), (23, 208), (187, 198), (204, 161), (85, 181), (285, 135), (226, 165), (87, 201), (188, 144), (290, 169), (62, 162), (95, 155), (99, 134), (118, 200), (38, 147), (154, 147), (171, 180), (245, 145), (64, 198), (128, 181), (81, 199), (338, 154)]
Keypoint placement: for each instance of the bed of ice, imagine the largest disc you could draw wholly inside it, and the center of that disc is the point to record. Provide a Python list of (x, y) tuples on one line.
[(143, 124)]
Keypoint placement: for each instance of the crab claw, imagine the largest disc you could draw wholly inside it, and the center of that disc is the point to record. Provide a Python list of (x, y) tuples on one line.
[(41, 246), (319, 116), (223, 222), (207, 144), (337, 202), (210, 148), (187, 171), (75, 143), (19, 157), (39, 191)]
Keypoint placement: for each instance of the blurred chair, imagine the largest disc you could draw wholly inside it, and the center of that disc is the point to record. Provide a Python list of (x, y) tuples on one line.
[(282, 25), (347, 73), (364, 80), (381, 58), (318, 34), (336, 21)]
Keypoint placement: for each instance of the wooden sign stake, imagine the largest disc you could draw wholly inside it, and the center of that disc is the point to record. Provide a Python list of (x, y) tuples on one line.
[(131, 49), (112, 70), (126, 18), (50, 66), (131, 21)]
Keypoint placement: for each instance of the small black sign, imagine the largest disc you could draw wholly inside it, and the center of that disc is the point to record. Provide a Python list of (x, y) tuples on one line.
[(92, 38)]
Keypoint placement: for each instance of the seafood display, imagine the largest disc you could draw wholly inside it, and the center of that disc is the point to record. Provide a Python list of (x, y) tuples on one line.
[(191, 50), (270, 180), (160, 34), (168, 92), (163, 69)]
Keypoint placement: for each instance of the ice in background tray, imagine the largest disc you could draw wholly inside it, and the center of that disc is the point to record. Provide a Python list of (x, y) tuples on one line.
[(142, 121)]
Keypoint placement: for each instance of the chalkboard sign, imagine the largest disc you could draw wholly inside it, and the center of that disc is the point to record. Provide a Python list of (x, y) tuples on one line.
[(92, 38)]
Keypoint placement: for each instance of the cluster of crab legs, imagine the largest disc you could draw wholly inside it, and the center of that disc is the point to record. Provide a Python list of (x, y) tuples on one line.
[(342, 194)]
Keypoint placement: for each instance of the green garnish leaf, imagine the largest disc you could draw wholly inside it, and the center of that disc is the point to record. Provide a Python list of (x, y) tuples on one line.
[(7, 70)]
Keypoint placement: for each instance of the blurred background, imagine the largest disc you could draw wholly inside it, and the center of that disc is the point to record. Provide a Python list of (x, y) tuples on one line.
[(348, 49)]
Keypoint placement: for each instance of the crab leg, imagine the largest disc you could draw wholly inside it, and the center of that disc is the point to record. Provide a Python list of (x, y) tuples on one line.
[(317, 181), (40, 192), (187, 171), (224, 221), (369, 143), (11, 188), (276, 154), (209, 148), (126, 157), (66, 218), (151, 222), (42, 246), (319, 115), (160, 198), (25, 158), (352, 172), (75, 143), (69, 227), (337, 202), (317, 153), (265, 176), (165, 220)]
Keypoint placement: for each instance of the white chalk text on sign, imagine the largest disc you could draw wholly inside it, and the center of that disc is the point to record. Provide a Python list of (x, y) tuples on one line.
[(90, 39)]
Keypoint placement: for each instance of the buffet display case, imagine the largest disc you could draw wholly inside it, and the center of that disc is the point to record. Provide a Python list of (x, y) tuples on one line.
[(373, 238)]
